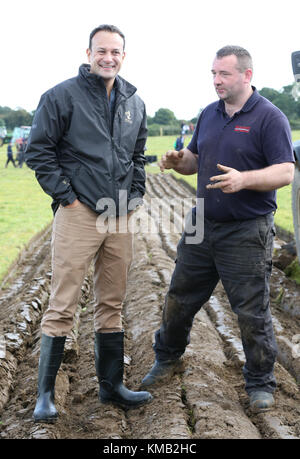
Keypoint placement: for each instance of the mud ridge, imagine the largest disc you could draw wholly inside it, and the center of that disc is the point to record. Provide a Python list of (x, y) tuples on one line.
[(204, 400)]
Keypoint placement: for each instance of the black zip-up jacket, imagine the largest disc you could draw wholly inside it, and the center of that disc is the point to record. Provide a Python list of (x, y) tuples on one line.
[(73, 151)]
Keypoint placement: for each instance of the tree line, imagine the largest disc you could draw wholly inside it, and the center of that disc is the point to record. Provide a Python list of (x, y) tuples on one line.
[(285, 101), (11, 118), (164, 121)]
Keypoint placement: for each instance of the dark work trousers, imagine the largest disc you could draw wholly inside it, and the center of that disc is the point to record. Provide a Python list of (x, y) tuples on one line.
[(240, 254)]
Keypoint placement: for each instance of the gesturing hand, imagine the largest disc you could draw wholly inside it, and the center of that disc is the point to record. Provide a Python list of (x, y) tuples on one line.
[(229, 182), (170, 160)]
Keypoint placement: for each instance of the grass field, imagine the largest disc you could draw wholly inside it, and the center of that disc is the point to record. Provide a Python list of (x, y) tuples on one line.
[(25, 208)]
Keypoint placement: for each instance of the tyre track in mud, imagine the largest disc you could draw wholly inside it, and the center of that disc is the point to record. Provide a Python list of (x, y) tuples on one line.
[(206, 399)]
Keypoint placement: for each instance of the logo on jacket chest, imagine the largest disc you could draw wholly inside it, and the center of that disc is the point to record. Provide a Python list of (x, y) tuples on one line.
[(128, 118)]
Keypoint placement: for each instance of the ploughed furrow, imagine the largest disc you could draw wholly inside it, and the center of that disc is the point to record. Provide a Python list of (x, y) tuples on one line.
[(204, 399), (22, 305), (29, 265), (283, 420), (168, 214), (16, 414), (166, 416)]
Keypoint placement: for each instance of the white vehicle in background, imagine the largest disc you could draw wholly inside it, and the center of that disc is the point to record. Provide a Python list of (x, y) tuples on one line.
[(20, 135)]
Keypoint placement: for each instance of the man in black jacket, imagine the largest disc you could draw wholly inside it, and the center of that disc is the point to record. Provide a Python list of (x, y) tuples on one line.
[(87, 147)]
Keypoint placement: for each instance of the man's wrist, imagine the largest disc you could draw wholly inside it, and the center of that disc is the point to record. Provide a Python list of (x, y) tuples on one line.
[(247, 179)]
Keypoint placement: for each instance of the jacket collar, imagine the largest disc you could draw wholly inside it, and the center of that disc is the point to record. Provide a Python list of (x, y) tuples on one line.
[(125, 88)]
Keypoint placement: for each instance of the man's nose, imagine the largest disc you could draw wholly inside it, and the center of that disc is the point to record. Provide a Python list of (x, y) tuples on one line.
[(217, 79), (108, 57)]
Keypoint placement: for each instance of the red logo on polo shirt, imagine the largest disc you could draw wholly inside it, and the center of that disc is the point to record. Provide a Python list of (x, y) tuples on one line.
[(242, 128)]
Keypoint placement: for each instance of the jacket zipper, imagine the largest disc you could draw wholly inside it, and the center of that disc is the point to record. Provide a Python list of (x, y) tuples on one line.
[(120, 125), (116, 114)]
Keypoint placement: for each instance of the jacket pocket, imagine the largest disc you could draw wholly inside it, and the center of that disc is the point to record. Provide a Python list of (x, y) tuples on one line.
[(90, 185)]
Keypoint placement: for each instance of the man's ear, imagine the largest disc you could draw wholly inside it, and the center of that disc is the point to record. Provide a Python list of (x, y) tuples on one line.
[(88, 53), (248, 75)]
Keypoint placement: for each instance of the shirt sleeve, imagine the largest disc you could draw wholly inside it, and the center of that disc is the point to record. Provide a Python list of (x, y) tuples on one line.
[(192, 146), (277, 140)]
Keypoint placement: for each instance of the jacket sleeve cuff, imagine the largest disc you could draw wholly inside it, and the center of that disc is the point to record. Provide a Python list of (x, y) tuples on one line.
[(69, 200)]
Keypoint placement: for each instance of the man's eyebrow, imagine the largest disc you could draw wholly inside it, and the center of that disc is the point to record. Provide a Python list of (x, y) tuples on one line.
[(220, 71), (104, 48)]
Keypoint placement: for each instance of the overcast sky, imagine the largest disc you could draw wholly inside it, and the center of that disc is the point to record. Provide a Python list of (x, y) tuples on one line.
[(170, 45)]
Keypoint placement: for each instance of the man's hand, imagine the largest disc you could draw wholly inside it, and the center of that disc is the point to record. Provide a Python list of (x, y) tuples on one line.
[(74, 204), (229, 182), (266, 179), (171, 160)]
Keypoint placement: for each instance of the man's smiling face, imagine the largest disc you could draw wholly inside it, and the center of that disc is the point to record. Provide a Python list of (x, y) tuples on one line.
[(106, 54)]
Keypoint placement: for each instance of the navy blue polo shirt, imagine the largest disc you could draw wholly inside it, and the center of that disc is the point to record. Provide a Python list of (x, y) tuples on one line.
[(256, 137)]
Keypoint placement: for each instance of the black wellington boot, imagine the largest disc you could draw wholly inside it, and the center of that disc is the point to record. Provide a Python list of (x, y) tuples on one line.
[(109, 360), (162, 372), (51, 354)]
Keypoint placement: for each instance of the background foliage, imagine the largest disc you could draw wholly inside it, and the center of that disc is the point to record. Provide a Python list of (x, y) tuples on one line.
[(164, 122)]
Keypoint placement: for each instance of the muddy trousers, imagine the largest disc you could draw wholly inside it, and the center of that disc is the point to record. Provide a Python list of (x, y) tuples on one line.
[(240, 254), (79, 237)]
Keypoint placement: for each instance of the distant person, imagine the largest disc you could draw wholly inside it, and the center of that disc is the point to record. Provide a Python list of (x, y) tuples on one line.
[(21, 154), (86, 146), (184, 129), (242, 151), (179, 143), (10, 157)]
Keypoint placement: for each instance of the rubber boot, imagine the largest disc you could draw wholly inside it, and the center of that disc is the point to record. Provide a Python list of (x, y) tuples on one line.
[(109, 360), (261, 401), (161, 372), (51, 354)]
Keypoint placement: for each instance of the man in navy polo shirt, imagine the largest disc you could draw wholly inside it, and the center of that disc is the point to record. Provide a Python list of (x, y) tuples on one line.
[(242, 151)]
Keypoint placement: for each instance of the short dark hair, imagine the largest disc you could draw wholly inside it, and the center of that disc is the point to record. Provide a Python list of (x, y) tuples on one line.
[(106, 28), (243, 56)]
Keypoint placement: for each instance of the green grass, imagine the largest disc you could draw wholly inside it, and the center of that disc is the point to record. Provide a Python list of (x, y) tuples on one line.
[(284, 216), (293, 271), (25, 209)]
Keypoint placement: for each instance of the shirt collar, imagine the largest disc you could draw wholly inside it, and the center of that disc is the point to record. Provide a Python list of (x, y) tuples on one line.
[(253, 99)]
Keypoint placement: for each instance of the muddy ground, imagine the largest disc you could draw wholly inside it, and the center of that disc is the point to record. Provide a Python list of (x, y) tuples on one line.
[(205, 400)]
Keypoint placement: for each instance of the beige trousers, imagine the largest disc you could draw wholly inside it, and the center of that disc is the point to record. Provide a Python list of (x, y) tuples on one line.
[(78, 238)]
